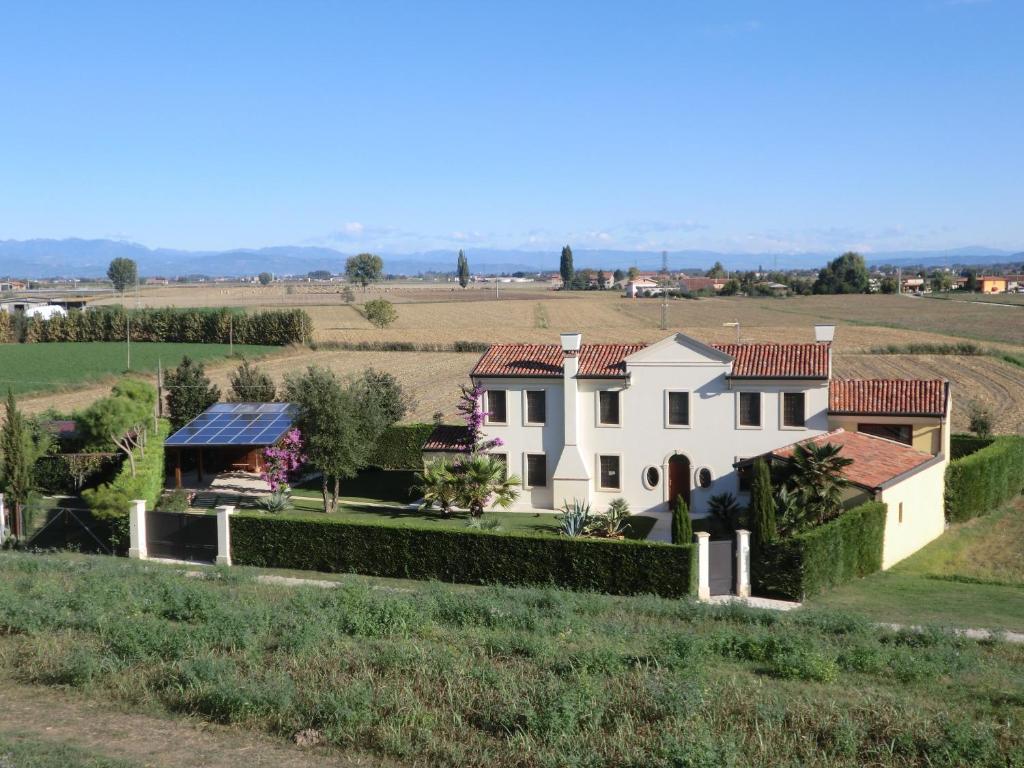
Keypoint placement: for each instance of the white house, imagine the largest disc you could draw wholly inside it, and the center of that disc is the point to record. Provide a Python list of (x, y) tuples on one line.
[(596, 422), (641, 284)]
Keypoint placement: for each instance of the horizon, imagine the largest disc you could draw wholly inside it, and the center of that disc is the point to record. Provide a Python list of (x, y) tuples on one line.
[(796, 128)]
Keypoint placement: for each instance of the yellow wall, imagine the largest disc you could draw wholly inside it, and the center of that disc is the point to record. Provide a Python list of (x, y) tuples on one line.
[(927, 431), (924, 517), (993, 286)]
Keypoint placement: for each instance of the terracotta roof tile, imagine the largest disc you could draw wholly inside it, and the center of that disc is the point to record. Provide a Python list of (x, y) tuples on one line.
[(888, 397), (778, 361), (875, 459), (448, 437), (545, 360)]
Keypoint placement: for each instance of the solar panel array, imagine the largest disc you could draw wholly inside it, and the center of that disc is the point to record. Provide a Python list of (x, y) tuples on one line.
[(236, 424)]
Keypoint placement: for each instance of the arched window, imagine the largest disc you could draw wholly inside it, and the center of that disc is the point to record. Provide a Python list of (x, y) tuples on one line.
[(704, 477)]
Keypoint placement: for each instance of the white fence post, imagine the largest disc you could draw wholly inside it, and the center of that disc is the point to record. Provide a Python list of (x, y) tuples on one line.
[(224, 535), (703, 565), (742, 563), (3, 521), (137, 530)]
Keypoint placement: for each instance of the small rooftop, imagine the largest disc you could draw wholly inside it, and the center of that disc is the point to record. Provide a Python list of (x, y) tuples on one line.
[(888, 397), (255, 424)]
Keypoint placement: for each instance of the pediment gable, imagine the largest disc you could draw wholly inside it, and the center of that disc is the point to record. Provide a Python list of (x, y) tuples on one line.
[(678, 349)]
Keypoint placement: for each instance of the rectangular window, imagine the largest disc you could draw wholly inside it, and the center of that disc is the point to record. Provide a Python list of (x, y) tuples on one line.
[(792, 409), (679, 409), (901, 511), (609, 475), (497, 407), (901, 433), (536, 470), (536, 406), (750, 409), (608, 407)]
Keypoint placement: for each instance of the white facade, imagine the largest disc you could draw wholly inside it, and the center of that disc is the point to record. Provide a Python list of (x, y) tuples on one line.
[(648, 459)]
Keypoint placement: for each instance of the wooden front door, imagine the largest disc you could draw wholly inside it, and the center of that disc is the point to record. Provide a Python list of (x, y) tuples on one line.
[(678, 479)]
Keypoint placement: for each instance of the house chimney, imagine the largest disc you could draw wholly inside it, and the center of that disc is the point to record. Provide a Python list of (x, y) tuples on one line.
[(571, 479), (824, 334)]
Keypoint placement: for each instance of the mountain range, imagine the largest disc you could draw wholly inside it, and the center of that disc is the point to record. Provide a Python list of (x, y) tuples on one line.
[(75, 257)]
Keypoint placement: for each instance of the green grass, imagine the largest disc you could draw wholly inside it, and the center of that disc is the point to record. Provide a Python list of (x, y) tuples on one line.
[(972, 576), (19, 752), (33, 368), (436, 676)]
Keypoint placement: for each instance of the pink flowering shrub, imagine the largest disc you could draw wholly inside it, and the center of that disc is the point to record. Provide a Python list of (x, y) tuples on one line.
[(474, 415), (283, 461)]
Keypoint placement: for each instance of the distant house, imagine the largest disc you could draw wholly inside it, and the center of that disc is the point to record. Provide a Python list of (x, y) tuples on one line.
[(992, 284), (913, 285), (12, 285), (636, 287), (694, 284), (776, 289)]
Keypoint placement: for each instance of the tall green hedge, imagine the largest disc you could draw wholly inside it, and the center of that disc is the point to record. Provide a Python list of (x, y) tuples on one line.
[(983, 481), (194, 326), (465, 556), (400, 446), (6, 328), (111, 500), (841, 550), (965, 445)]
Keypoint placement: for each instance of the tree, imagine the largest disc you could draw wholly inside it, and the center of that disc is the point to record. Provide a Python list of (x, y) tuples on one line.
[(266, 278), (483, 481), (731, 287), (980, 419), (601, 280), (682, 528), (189, 392), (250, 384), (380, 312), (565, 268), (17, 460), (438, 487), (120, 419), (972, 281), (634, 273), (319, 274), (717, 270), (941, 281), (846, 274), (762, 504), (387, 394), (618, 275), (122, 273), (340, 422), (347, 294), (889, 284), (462, 269), (365, 268), (817, 481)]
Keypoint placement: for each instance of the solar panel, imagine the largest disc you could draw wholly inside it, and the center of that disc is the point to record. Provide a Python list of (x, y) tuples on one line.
[(236, 424)]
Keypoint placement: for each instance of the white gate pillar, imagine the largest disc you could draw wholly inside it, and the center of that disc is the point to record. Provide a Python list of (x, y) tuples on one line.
[(703, 565), (137, 530), (224, 535), (742, 563), (3, 521)]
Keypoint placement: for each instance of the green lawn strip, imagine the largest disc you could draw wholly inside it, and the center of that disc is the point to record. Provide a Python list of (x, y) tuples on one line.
[(19, 752), (34, 368), (506, 677)]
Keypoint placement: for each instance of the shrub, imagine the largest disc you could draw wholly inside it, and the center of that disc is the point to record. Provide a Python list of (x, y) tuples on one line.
[(462, 555), (984, 480), (682, 528), (845, 548), (111, 500)]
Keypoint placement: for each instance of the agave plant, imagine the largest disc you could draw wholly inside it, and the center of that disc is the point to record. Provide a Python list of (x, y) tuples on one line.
[(279, 501), (575, 519)]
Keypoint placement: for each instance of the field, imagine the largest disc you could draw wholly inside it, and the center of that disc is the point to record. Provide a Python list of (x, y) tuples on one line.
[(429, 674), (31, 368), (972, 576)]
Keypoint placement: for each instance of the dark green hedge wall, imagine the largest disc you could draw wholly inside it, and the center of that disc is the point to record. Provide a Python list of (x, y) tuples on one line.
[(399, 447), (844, 549), (965, 445), (471, 557), (985, 480)]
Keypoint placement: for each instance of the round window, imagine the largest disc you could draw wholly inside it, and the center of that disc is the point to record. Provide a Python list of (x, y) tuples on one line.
[(652, 476), (704, 477)]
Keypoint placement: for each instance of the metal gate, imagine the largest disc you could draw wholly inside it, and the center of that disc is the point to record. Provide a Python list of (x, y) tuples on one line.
[(722, 567), (182, 536)]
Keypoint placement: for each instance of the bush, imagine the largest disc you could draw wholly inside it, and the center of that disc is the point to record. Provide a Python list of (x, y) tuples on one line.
[(965, 445), (403, 346), (111, 500), (380, 312), (6, 328), (802, 565), (984, 480), (465, 556), (399, 447)]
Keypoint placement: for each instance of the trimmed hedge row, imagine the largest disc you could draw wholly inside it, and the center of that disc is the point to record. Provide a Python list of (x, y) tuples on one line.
[(111, 500), (464, 556), (965, 445), (404, 346), (399, 447), (985, 480), (838, 551), (194, 326), (6, 328)]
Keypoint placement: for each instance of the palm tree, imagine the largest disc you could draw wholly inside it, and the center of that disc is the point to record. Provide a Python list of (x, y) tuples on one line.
[(482, 481), (818, 481), (439, 487)]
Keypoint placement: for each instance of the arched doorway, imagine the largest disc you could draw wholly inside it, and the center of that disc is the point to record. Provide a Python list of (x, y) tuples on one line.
[(678, 479)]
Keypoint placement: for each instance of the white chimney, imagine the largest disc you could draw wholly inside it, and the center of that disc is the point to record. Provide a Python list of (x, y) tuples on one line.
[(824, 334), (571, 478)]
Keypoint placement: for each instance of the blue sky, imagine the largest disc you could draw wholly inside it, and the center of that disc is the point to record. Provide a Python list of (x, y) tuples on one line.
[(401, 126)]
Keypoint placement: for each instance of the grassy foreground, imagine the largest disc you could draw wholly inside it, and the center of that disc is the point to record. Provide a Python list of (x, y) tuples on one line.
[(42, 367), (511, 677), (17, 752)]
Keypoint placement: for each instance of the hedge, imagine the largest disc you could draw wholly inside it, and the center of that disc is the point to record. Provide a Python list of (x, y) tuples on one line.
[(464, 556), (965, 445), (838, 551), (399, 447), (403, 346), (193, 326), (985, 480), (111, 500), (6, 328)]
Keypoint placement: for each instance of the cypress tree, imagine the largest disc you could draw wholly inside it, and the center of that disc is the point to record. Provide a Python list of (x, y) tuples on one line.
[(762, 504), (16, 463), (565, 268), (189, 392), (463, 269), (682, 528)]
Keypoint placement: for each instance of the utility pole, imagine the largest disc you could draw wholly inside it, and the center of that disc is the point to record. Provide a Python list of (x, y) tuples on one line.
[(128, 337), (231, 336), (159, 389)]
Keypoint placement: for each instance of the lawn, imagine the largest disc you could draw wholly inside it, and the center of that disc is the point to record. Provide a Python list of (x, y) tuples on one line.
[(19, 752), (31, 368), (972, 576)]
